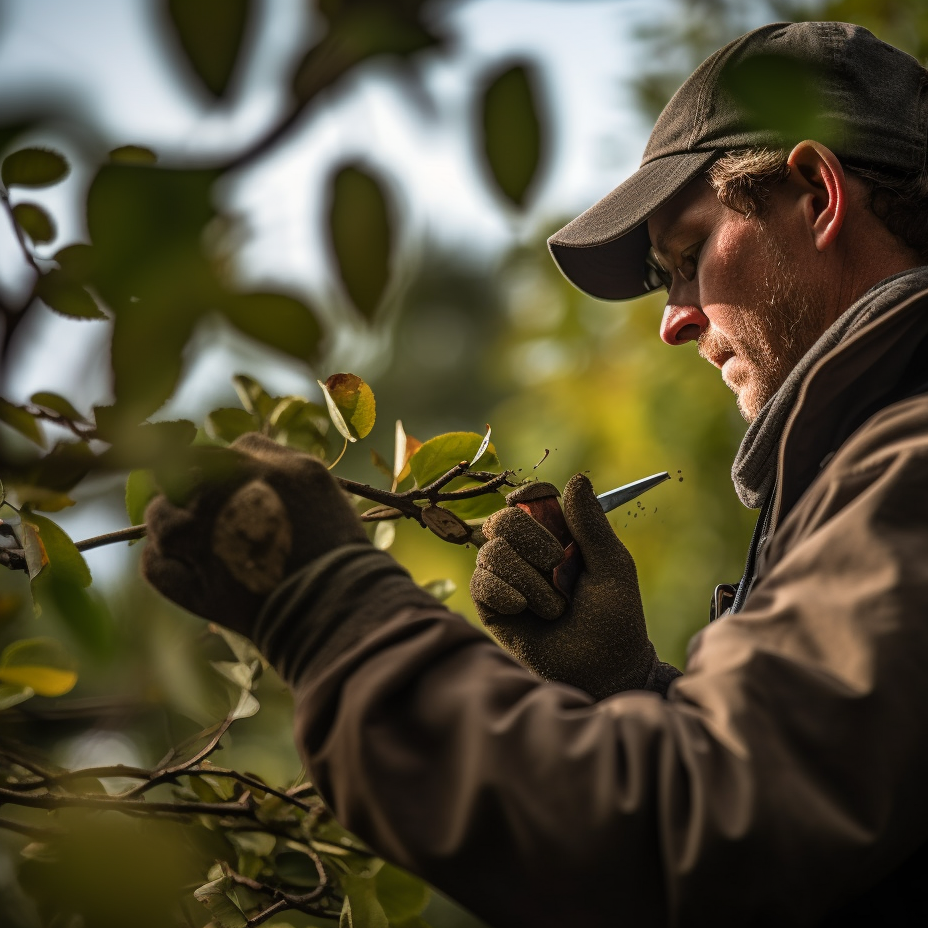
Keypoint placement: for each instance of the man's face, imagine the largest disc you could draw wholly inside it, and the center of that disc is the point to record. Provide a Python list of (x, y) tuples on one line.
[(744, 288)]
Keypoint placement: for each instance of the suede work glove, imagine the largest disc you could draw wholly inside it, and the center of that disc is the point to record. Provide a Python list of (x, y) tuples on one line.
[(220, 555), (598, 641)]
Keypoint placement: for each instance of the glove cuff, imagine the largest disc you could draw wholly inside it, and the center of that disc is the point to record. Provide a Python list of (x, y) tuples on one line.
[(322, 608)]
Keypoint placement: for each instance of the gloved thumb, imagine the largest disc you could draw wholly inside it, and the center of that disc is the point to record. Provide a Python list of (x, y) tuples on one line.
[(588, 524)]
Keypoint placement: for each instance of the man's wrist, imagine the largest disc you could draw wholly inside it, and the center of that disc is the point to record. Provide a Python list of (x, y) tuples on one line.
[(329, 604)]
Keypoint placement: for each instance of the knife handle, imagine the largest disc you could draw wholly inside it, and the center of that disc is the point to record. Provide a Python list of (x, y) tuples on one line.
[(540, 501)]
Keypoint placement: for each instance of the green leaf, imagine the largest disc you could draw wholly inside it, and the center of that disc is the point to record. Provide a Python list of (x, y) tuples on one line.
[(439, 454), (42, 499), (228, 424), (254, 397), (253, 842), (296, 869), (361, 908), (76, 262), (211, 33), (55, 403), (33, 167), (22, 421), (351, 405), (300, 424), (217, 896), (477, 507), (278, 321), (60, 293), (133, 154), (361, 237), (400, 894), (63, 467), (61, 585), (146, 226), (149, 444), (141, 489), (35, 222), (512, 131), (441, 589), (42, 664)]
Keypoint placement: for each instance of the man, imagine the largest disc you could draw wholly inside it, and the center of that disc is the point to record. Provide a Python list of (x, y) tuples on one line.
[(782, 779)]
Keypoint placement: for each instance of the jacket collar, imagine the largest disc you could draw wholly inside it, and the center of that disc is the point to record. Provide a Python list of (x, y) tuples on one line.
[(814, 404)]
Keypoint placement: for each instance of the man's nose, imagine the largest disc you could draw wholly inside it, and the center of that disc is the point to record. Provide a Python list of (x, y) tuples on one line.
[(682, 324)]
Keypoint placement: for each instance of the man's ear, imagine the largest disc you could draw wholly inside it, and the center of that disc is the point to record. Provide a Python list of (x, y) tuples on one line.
[(822, 189)]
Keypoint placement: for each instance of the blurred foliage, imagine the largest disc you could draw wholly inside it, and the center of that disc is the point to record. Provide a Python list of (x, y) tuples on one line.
[(567, 383), (672, 48)]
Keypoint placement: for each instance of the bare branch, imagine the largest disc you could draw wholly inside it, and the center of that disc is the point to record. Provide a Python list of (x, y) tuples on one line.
[(35, 832), (122, 804), (133, 533)]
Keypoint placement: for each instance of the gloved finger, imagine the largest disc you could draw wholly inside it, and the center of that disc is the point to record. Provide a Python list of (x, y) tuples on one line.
[(530, 539), (494, 596), (589, 526), (176, 531), (173, 577), (501, 559)]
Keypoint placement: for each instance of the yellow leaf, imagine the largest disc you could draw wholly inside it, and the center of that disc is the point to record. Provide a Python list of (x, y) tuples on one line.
[(45, 681)]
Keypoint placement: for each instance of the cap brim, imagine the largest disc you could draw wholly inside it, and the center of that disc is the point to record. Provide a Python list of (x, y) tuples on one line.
[(603, 250)]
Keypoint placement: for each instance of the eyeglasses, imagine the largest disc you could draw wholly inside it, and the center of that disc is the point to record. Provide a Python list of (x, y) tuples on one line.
[(657, 276)]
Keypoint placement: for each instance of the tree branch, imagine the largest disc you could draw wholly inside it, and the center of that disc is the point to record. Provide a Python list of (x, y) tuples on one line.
[(403, 503)]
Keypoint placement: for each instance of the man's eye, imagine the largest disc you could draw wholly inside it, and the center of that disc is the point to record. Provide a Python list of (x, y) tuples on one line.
[(689, 261)]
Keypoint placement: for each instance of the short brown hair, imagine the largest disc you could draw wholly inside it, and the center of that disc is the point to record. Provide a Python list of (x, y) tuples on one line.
[(743, 180)]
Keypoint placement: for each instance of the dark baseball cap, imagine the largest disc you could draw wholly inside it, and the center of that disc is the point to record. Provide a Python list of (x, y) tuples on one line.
[(835, 83)]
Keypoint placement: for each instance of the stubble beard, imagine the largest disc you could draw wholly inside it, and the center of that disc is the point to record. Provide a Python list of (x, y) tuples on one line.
[(776, 328)]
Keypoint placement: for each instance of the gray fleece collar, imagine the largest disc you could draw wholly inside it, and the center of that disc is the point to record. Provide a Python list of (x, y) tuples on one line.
[(755, 466)]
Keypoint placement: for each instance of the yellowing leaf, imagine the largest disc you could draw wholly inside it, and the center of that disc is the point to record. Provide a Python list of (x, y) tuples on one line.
[(44, 681), (42, 664), (351, 405), (404, 448)]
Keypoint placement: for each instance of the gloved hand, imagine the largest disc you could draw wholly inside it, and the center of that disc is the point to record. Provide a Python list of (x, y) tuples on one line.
[(222, 553), (598, 641)]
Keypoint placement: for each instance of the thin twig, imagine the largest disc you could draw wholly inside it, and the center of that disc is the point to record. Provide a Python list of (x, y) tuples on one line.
[(120, 803), (83, 432), (404, 503), (36, 832), (133, 533)]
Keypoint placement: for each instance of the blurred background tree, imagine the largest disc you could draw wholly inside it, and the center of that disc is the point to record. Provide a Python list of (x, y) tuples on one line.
[(288, 189)]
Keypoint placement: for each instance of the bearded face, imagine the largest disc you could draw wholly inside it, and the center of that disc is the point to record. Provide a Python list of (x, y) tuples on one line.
[(776, 322)]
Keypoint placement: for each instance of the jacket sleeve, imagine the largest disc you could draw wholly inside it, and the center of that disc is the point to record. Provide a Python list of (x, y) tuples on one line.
[(781, 776)]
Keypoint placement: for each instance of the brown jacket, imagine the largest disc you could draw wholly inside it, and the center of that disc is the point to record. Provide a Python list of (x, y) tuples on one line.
[(785, 775)]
